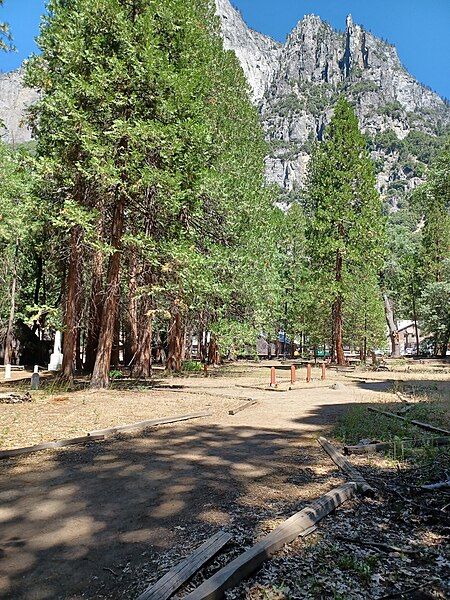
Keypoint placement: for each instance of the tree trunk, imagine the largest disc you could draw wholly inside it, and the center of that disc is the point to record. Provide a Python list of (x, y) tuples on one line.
[(79, 354), (131, 344), (201, 346), (100, 375), (212, 350), (142, 365), (176, 335), (337, 315), (39, 273), (445, 342), (12, 312), (70, 314), (161, 356), (416, 329), (393, 330), (95, 314)]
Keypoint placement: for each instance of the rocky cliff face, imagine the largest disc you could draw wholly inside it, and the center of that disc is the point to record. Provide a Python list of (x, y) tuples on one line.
[(296, 85), (14, 100), (258, 54)]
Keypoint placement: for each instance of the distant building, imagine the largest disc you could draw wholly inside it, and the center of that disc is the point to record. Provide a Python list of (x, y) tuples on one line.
[(407, 337)]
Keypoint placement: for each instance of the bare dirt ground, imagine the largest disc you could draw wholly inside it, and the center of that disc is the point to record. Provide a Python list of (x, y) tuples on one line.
[(103, 521)]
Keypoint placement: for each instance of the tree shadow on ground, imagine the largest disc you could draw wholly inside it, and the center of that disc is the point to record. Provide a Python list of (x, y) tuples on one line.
[(67, 516), (82, 523)]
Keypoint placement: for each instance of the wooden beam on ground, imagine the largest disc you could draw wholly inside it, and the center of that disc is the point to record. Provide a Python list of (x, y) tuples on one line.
[(300, 524), (50, 445), (165, 587), (340, 460), (149, 423), (248, 403), (425, 426)]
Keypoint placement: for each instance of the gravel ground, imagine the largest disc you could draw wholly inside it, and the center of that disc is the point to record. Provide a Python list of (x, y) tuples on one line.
[(105, 520)]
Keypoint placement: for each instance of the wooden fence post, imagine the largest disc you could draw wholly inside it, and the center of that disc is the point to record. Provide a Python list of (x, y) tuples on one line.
[(293, 374)]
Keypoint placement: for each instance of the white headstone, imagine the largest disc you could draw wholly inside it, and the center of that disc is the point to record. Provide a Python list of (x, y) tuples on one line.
[(56, 358), (7, 371)]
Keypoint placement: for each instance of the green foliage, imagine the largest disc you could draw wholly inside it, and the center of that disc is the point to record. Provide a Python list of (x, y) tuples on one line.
[(5, 35), (115, 374), (392, 109), (192, 366), (21, 225), (145, 108), (344, 219)]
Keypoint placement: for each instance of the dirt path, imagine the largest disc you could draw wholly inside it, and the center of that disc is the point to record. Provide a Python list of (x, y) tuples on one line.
[(101, 521)]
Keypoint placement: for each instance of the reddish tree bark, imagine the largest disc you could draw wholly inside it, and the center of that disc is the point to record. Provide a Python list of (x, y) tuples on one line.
[(142, 367), (338, 332), (95, 305), (213, 351), (176, 337), (100, 375)]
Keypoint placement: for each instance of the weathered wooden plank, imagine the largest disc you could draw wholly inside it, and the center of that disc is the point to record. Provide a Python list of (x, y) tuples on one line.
[(234, 411), (299, 524), (425, 426), (49, 445), (149, 423), (340, 460), (176, 577)]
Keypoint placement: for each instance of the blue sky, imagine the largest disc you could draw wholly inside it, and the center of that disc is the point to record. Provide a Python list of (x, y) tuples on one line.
[(419, 28)]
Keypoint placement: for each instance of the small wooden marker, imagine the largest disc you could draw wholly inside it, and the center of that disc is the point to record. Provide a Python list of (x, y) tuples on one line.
[(273, 382), (308, 373), (324, 372), (205, 369), (293, 374)]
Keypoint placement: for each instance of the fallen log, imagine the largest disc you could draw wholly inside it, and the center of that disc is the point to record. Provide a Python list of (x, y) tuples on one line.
[(379, 545), (426, 426), (300, 524), (340, 460), (441, 485), (381, 446), (165, 587), (367, 448), (149, 423), (49, 445), (248, 403)]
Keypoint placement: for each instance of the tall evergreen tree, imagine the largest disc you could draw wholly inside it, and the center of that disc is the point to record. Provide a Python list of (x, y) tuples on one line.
[(155, 154), (345, 229), (434, 200)]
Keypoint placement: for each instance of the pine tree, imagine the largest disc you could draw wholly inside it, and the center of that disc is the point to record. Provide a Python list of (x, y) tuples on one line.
[(434, 200), (345, 226)]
